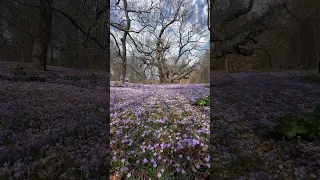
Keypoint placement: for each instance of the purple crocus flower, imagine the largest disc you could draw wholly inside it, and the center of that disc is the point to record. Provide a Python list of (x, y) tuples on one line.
[(208, 165), (145, 160)]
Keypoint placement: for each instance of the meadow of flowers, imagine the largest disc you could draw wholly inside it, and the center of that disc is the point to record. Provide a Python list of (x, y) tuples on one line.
[(57, 129), (244, 144), (52, 130), (158, 133)]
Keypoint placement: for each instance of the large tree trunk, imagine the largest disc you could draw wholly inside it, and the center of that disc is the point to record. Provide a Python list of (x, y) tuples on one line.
[(212, 34), (124, 58), (308, 54), (107, 59), (152, 75), (28, 50), (159, 63), (50, 55), (41, 43), (80, 50), (123, 40)]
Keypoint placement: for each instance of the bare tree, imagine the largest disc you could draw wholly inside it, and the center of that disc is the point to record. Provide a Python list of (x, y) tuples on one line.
[(125, 27), (172, 40), (42, 39), (164, 21), (188, 36), (238, 28), (92, 29), (306, 16), (165, 42), (201, 74), (18, 25)]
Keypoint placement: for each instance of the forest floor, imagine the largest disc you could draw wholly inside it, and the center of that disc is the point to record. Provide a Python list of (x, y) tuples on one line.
[(157, 132), (53, 128), (244, 144)]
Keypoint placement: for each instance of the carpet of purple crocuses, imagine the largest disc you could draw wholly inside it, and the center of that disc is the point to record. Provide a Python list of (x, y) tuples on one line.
[(245, 107), (57, 129), (54, 129), (157, 132)]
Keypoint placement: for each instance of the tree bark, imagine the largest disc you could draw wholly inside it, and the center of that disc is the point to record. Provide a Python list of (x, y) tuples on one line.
[(107, 60), (124, 44), (308, 54), (41, 43), (51, 54), (159, 63), (212, 34), (79, 48), (124, 58)]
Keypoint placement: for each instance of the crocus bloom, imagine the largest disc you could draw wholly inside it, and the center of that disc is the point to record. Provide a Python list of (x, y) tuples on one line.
[(145, 160), (208, 164), (207, 159)]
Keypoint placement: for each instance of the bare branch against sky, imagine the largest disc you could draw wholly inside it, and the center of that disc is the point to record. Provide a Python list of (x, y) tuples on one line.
[(166, 38)]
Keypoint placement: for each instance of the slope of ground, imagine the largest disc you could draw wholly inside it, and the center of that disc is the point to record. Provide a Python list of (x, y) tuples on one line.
[(245, 107), (54, 129)]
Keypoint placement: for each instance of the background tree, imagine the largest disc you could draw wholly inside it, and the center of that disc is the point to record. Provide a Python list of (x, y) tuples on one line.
[(75, 37), (125, 26), (170, 39), (257, 34)]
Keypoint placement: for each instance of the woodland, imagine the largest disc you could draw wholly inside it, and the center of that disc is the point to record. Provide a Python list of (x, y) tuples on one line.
[(164, 43), (265, 35), (54, 95), (184, 89)]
